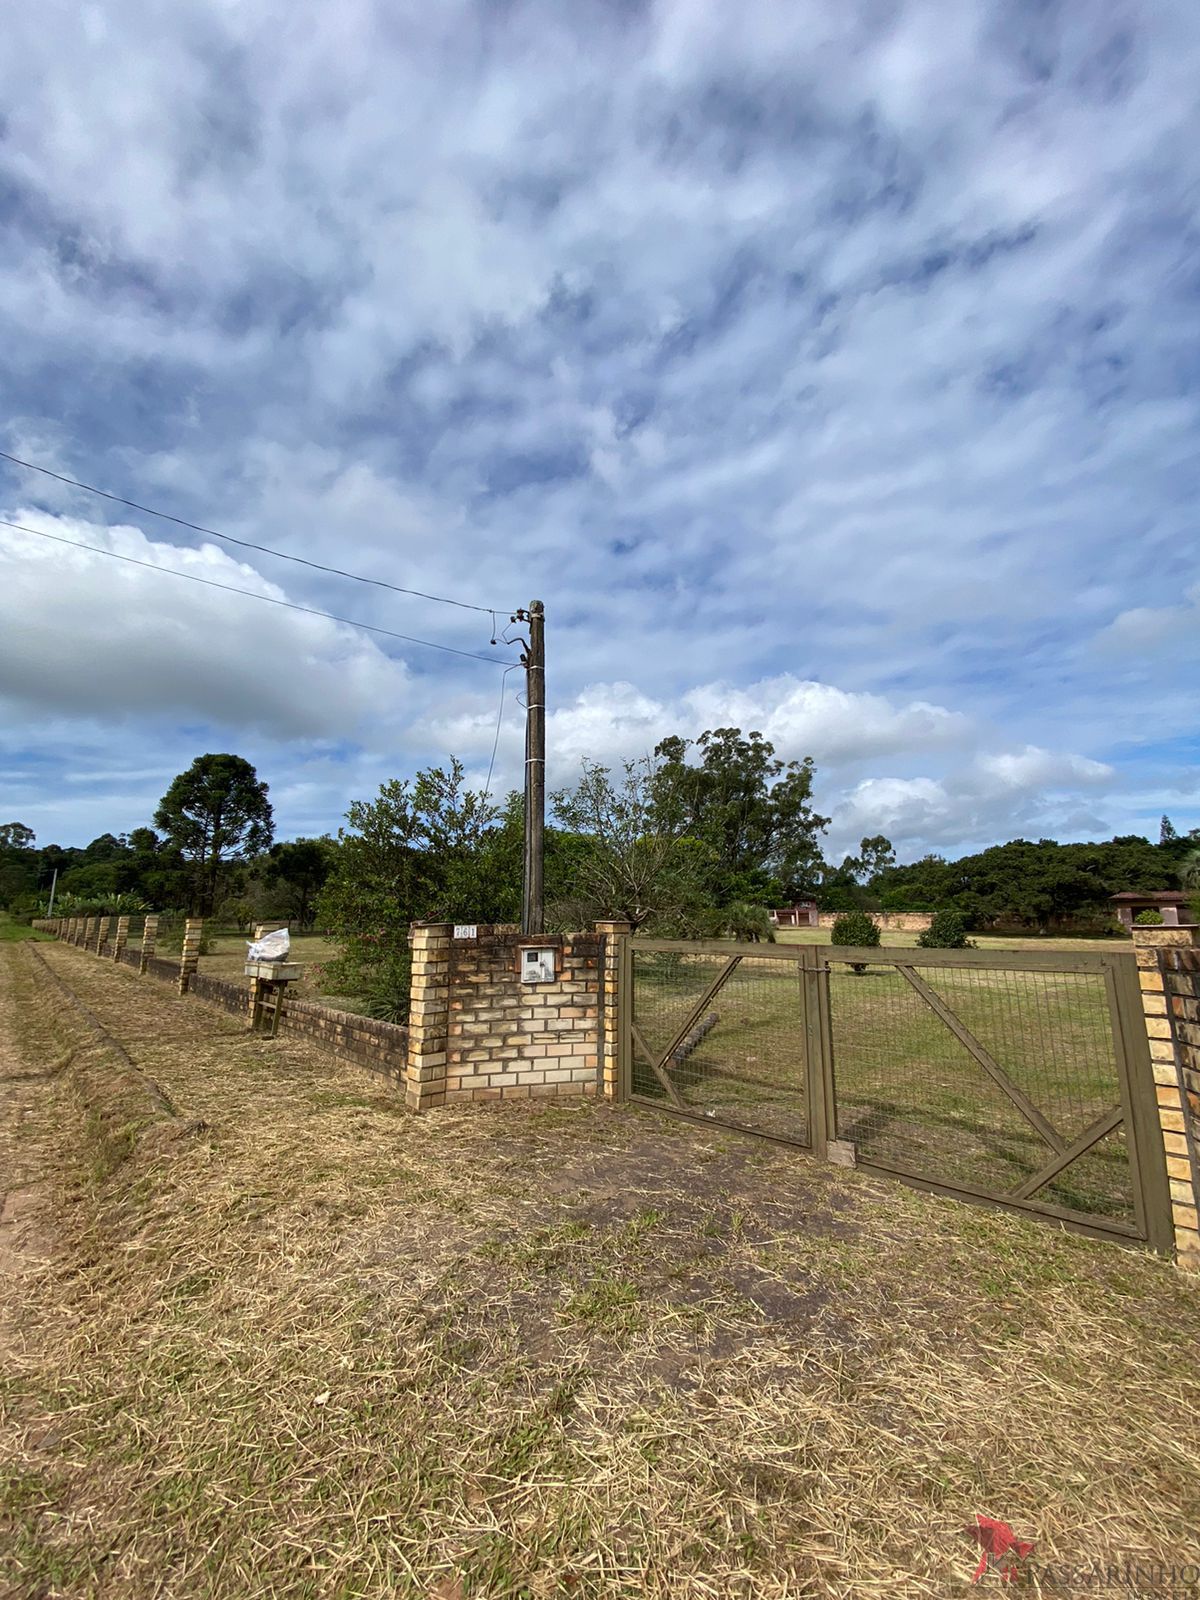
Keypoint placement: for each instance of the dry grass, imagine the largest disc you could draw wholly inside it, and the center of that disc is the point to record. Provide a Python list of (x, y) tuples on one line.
[(316, 1348)]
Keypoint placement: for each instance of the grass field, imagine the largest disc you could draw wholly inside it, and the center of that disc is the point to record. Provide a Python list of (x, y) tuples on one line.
[(909, 1094), (263, 1335), (17, 932), (227, 959)]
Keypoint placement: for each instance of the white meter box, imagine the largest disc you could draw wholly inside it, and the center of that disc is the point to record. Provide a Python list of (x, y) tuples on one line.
[(538, 964)]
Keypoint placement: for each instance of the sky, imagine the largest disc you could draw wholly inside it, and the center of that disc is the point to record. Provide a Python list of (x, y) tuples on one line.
[(828, 369)]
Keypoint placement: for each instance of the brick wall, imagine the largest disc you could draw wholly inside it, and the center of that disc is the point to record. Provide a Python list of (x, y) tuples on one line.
[(889, 921), (478, 1032)]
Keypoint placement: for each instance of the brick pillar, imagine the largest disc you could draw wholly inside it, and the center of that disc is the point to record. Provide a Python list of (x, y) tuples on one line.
[(70, 933), (102, 933), (428, 1015), (1169, 974), (121, 939), (189, 955), (89, 932), (149, 939), (614, 933)]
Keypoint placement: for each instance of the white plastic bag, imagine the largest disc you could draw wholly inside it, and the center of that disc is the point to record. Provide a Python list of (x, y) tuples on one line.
[(271, 947)]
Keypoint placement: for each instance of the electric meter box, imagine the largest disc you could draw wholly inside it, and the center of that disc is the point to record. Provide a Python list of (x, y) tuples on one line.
[(537, 964)]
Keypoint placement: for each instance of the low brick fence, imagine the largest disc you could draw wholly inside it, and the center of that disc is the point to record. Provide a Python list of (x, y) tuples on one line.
[(380, 1047)]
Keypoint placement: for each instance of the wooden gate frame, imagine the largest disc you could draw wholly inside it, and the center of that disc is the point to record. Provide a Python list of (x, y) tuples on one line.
[(1136, 1107)]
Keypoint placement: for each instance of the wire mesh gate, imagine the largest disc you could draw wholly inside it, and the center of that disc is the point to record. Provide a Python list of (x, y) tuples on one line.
[(1017, 1079)]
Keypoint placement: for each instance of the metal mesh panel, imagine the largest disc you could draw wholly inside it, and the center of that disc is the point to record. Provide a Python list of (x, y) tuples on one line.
[(741, 1059), (912, 1094)]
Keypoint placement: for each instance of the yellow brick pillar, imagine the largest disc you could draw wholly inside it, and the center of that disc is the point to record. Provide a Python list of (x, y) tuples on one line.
[(189, 955), (1169, 975), (615, 934), (89, 932), (120, 938), (102, 933), (428, 1015), (149, 939)]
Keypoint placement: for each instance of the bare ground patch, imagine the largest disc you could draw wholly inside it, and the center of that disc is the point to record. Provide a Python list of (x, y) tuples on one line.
[(315, 1347)]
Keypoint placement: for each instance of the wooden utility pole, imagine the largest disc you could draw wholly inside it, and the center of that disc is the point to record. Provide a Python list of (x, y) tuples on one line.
[(533, 909)]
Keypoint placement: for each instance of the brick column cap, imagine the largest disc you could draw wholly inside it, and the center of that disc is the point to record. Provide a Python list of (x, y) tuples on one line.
[(614, 925)]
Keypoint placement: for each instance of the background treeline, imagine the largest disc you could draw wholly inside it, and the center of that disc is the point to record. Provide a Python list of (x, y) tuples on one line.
[(697, 840)]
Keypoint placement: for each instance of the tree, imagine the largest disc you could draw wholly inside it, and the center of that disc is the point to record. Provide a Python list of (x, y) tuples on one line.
[(634, 859), (749, 808), (215, 812), (300, 867), (16, 836), (411, 854)]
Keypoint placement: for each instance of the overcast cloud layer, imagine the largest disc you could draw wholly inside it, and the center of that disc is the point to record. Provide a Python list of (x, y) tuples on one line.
[(827, 369)]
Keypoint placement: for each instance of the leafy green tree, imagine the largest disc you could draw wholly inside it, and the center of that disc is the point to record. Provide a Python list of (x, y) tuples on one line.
[(633, 858), (19, 863), (299, 868), (408, 855), (750, 809), (215, 812)]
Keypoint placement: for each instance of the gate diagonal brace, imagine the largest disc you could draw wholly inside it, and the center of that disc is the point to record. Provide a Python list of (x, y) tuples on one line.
[(1090, 1136), (986, 1060), (655, 1066), (714, 987)]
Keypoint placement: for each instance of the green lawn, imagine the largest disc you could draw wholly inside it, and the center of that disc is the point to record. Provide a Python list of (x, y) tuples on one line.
[(227, 959), (908, 1093), (14, 932)]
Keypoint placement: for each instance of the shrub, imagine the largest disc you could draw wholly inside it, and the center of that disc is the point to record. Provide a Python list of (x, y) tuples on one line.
[(1148, 919), (947, 931), (856, 928), (382, 985)]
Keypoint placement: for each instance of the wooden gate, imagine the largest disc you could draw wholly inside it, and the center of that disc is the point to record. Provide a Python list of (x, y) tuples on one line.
[(1016, 1079)]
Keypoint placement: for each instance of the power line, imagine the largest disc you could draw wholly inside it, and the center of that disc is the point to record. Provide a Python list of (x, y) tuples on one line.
[(248, 544), (487, 788), (229, 588)]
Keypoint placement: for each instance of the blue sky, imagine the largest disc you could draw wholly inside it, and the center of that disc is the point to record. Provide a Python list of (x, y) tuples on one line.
[(829, 369)]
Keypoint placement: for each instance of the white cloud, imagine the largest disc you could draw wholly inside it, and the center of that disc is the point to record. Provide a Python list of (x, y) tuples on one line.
[(91, 637), (818, 366)]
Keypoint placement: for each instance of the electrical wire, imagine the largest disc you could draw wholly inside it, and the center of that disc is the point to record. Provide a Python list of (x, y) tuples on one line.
[(229, 588), (487, 788), (248, 544)]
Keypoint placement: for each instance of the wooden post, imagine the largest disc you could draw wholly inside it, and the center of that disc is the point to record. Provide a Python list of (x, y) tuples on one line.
[(189, 955), (257, 932), (121, 938), (149, 937), (533, 918)]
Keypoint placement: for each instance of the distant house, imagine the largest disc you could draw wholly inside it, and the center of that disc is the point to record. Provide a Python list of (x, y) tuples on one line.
[(1172, 904), (801, 915)]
